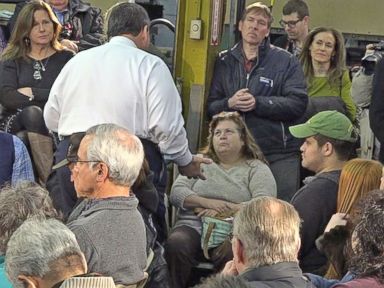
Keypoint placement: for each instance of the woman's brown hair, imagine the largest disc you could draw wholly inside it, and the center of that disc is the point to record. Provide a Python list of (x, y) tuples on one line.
[(337, 66), (19, 44), (250, 149)]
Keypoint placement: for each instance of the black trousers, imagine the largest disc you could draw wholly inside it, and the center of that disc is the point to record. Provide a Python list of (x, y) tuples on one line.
[(183, 252)]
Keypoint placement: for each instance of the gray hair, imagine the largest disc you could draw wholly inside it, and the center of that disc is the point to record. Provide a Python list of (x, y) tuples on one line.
[(42, 248), (121, 151), (18, 204), (222, 281), (126, 18), (268, 229)]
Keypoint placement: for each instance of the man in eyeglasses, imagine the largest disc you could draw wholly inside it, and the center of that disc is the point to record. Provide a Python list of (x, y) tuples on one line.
[(107, 224), (266, 85), (295, 21)]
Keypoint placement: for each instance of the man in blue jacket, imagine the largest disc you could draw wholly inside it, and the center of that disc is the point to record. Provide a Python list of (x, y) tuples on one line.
[(266, 85)]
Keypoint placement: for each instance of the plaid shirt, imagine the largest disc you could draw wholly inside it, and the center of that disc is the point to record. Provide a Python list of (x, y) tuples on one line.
[(22, 167)]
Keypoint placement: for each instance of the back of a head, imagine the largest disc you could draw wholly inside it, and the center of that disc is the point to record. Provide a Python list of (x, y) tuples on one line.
[(46, 249), (221, 281), (358, 177), (121, 151), (268, 229), (126, 18), (367, 239), (298, 6), (20, 203)]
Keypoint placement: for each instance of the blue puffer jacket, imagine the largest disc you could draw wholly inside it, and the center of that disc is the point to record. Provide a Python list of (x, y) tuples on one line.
[(278, 84)]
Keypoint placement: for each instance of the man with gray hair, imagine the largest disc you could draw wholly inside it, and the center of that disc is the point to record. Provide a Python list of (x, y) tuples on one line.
[(41, 253), (107, 224), (121, 83), (17, 204), (265, 244)]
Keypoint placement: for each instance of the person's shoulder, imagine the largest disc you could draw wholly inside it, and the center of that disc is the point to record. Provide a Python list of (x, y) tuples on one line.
[(361, 283), (256, 163), (281, 41), (65, 53)]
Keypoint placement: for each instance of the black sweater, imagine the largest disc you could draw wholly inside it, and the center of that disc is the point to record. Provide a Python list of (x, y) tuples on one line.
[(15, 74)]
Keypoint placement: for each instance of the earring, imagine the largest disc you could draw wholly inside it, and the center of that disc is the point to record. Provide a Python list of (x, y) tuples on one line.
[(27, 41)]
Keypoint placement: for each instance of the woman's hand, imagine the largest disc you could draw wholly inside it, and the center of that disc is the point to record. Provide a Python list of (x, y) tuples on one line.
[(217, 205), (71, 45), (230, 269), (207, 212), (26, 91), (338, 219)]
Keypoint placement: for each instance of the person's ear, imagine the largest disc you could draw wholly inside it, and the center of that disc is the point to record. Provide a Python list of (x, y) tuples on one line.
[(240, 25), (102, 172), (144, 35), (327, 149), (28, 281), (238, 250)]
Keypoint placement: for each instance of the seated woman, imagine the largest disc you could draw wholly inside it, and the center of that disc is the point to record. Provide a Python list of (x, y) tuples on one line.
[(358, 177), (238, 173), (323, 62), (29, 66)]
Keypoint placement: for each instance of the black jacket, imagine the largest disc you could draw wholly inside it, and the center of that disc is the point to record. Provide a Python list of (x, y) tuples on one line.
[(83, 23), (280, 275), (315, 202), (278, 84), (376, 110)]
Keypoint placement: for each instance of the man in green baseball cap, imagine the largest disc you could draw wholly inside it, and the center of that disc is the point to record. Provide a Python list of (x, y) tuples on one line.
[(329, 141)]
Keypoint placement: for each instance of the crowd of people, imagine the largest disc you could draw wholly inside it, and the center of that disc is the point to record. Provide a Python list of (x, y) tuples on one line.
[(83, 158)]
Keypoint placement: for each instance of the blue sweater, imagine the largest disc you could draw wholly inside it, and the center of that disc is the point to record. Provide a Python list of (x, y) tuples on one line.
[(4, 283)]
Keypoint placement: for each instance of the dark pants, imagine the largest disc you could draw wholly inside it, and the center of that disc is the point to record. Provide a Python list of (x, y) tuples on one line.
[(286, 170), (59, 185), (183, 252), (159, 169)]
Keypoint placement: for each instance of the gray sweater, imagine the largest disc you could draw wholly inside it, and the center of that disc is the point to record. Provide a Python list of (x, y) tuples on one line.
[(111, 234), (237, 185)]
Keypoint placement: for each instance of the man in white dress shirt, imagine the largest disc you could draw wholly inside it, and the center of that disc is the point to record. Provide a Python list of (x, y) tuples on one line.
[(120, 83)]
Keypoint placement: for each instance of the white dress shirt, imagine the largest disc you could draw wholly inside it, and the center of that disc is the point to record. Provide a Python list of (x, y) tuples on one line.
[(121, 84)]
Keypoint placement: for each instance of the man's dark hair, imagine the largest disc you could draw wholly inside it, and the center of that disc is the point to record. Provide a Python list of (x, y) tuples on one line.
[(298, 6), (126, 18), (343, 149)]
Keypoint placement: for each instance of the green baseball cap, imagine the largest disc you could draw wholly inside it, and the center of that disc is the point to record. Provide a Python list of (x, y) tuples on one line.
[(331, 124)]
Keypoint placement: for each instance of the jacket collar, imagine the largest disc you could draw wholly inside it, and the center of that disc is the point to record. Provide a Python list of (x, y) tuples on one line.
[(237, 50), (77, 6), (273, 272)]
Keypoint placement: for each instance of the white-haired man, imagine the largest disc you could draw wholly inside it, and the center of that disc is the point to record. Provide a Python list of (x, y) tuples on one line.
[(45, 254), (265, 244), (107, 224)]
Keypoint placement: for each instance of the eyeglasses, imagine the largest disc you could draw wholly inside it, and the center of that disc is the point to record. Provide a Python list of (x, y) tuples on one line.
[(291, 24), (225, 132), (75, 160)]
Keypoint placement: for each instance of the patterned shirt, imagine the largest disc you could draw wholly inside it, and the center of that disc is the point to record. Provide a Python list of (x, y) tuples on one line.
[(22, 167)]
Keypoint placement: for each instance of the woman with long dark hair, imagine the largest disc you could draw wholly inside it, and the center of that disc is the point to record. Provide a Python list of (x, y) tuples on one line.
[(29, 66)]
